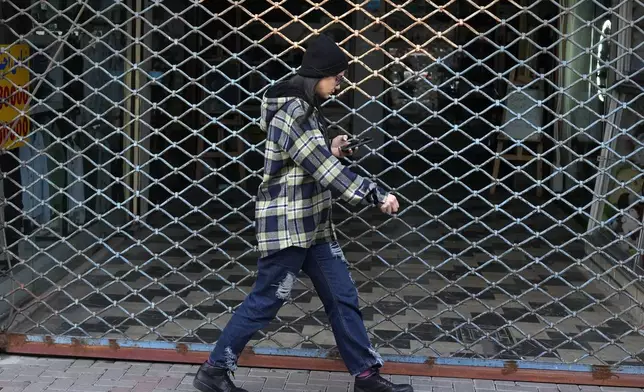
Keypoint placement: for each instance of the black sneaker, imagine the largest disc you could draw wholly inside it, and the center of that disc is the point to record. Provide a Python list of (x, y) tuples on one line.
[(214, 379), (376, 383)]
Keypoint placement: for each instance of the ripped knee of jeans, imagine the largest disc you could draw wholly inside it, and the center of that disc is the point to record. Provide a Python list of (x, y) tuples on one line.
[(336, 250), (286, 285), (230, 359)]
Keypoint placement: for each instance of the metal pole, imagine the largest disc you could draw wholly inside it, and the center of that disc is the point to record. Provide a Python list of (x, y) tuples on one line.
[(136, 180), (131, 121)]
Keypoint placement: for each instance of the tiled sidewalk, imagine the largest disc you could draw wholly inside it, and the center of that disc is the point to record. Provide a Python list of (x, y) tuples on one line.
[(30, 374)]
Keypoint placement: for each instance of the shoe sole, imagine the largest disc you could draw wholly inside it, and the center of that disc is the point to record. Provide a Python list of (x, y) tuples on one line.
[(202, 387)]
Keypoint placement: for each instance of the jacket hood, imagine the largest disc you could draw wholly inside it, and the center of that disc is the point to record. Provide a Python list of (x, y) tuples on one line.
[(276, 97)]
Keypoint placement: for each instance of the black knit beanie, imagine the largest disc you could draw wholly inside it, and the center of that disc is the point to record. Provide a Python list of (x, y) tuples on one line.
[(323, 58)]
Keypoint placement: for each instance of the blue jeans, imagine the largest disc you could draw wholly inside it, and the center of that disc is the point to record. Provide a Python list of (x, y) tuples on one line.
[(326, 266)]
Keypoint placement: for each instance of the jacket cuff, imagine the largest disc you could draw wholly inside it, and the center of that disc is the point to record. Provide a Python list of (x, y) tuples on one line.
[(378, 196)]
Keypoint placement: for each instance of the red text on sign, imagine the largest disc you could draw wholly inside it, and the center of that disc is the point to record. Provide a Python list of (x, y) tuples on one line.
[(20, 128), (10, 96)]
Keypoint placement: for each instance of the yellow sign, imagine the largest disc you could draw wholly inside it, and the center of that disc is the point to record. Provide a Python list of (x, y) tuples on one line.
[(13, 76)]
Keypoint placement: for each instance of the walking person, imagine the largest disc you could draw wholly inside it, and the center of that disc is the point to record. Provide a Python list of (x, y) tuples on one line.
[(294, 228)]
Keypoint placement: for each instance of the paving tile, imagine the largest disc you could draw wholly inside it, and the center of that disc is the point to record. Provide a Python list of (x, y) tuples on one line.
[(319, 375), (505, 385), (83, 363), (13, 389), (253, 386), (484, 385), (442, 389), (169, 383), (619, 389), (341, 377), (120, 389), (298, 378), (93, 389), (116, 383), (464, 387), (420, 380), (274, 383), (182, 368), (519, 388), (62, 384), (86, 379), (144, 387), (33, 370), (568, 388), (401, 379), (113, 374), (137, 378), (30, 379), (536, 384), (307, 388), (279, 373), (36, 387), (10, 384)]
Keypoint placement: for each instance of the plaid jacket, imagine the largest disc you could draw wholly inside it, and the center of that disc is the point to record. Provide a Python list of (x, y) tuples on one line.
[(294, 200)]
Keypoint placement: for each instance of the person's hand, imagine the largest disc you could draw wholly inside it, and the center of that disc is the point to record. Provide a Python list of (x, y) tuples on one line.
[(336, 145), (390, 206)]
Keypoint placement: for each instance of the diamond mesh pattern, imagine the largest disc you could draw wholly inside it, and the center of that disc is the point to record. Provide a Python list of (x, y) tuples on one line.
[(511, 132)]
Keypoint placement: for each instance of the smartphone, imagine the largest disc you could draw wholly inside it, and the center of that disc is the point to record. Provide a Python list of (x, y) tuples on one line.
[(355, 143)]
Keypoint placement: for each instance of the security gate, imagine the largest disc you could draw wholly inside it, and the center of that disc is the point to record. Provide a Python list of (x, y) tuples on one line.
[(511, 131)]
